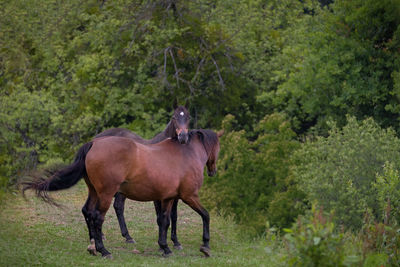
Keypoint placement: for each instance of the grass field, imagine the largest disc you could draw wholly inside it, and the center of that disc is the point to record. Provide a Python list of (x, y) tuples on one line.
[(35, 233)]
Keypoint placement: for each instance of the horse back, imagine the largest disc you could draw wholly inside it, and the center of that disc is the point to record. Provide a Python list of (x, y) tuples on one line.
[(121, 132)]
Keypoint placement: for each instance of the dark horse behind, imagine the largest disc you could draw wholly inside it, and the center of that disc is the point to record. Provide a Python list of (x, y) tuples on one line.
[(177, 129), (156, 172)]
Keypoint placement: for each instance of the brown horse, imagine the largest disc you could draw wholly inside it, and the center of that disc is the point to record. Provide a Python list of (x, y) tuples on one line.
[(157, 172), (177, 128)]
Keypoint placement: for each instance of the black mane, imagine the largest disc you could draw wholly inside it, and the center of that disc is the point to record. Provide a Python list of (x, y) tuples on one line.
[(208, 137)]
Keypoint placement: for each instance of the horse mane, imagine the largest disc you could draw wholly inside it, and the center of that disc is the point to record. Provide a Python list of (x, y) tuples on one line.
[(207, 137), (119, 132), (168, 132)]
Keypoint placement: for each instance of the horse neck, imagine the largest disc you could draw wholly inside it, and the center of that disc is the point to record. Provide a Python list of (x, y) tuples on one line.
[(169, 132), (198, 147)]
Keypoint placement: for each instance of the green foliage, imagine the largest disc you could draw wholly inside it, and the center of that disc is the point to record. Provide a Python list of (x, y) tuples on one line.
[(376, 259), (387, 186), (339, 171), (26, 120), (287, 204), (313, 241), (254, 174), (343, 60), (256, 30), (381, 241)]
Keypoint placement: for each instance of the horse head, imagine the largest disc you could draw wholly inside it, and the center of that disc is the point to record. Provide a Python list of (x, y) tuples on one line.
[(180, 121), (213, 154), (210, 141)]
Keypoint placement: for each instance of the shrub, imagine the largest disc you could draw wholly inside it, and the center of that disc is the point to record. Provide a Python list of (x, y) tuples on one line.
[(387, 186), (254, 174), (380, 241), (339, 171), (314, 241)]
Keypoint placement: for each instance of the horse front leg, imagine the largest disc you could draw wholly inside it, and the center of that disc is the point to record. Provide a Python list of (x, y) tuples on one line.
[(157, 206), (119, 206), (163, 221), (194, 203), (174, 218)]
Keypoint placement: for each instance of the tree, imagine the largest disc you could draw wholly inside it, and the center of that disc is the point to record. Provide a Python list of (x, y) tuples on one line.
[(342, 60)]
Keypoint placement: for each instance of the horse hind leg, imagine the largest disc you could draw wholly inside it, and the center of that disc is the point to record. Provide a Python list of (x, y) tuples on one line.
[(174, 218), (94, 211), (163, 221), (98, 215), (157, 206), (86, 211), (194, 203), (119, 203), (89, 222)]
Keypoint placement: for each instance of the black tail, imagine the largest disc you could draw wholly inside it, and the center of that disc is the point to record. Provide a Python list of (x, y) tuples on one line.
[(60, 179)]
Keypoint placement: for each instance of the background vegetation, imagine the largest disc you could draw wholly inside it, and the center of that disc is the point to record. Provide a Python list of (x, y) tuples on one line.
[(308, 93)]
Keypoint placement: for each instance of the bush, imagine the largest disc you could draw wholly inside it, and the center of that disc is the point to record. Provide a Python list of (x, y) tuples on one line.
[(339, 171), (314, 241), (254, 174), (387, 186), (380, 242)]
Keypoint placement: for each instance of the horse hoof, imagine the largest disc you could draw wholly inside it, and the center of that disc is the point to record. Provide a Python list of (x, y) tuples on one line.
[(130, 241), (166, 252), (92, 248), (108, 256), (178, 247), (92, 251), (206, 251), (166, 255)]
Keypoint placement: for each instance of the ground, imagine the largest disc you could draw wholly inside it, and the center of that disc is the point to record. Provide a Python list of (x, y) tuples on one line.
[(35, 233)]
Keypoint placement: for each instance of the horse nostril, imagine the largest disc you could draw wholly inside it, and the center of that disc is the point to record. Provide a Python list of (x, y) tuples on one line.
[(183, 138)]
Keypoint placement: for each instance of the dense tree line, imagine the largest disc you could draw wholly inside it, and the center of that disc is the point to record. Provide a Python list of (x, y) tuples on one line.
[(308, 93)]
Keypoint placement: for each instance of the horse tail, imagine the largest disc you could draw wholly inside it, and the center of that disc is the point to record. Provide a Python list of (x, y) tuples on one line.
[(59, 179)]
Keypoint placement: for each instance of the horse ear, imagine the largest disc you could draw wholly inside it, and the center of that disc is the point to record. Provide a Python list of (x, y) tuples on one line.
[(186, 105), (175, 104), (220, 133)]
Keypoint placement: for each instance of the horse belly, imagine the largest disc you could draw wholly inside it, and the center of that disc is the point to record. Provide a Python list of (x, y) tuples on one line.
[(150, 188)]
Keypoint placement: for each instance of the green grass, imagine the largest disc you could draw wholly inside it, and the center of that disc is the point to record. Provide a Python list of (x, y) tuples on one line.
[(35, 233)]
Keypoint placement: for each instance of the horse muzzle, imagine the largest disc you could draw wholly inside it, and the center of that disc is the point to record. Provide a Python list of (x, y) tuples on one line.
[(183, 138), (211, 173)]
